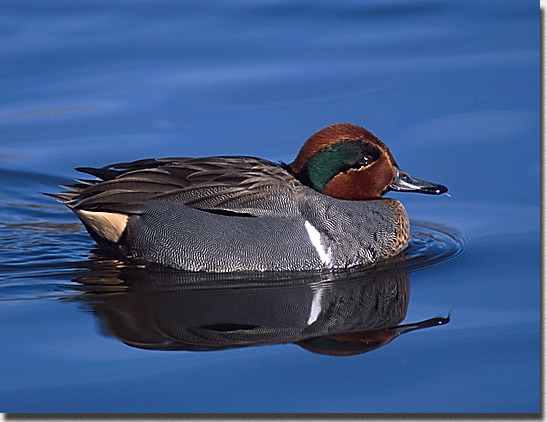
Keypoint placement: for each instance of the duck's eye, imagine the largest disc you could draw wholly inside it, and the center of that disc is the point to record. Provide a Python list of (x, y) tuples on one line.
[(365, 160)]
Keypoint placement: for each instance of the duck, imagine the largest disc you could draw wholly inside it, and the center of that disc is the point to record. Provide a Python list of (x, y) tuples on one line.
[(323, 211)]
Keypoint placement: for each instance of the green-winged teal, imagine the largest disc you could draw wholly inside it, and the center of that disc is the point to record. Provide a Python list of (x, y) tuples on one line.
[(219, 214)]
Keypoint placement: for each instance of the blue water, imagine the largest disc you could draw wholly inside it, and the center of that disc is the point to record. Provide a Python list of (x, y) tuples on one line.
[(452, 87)]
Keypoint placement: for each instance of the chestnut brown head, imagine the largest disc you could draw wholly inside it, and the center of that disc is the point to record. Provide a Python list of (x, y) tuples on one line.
[(346, 161)]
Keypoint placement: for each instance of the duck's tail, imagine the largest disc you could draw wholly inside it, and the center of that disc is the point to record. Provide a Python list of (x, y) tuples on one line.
[(102, 226)]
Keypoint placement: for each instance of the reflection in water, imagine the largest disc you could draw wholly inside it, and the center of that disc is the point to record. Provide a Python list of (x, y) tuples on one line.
[(335, 313), (156, 310)]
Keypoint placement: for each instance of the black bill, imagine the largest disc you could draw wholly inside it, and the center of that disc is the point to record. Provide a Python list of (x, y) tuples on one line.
[(405, 183)]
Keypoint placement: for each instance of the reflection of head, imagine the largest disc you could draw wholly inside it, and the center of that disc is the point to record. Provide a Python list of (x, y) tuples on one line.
[(364, 341)]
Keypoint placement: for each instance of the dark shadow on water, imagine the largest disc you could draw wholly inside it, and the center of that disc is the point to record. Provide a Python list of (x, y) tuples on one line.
[(337, 313)]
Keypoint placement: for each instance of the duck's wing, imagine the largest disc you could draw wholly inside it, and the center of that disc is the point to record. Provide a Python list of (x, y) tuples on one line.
[(244, 185)]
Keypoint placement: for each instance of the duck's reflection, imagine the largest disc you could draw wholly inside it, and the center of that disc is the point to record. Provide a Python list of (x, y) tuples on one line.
[(334, 313)]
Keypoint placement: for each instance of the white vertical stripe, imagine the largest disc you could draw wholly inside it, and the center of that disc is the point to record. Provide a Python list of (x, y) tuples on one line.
[(325, 254), (315, 305)]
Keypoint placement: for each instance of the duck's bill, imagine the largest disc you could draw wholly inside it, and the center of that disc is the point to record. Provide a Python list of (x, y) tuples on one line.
[(405, 183)]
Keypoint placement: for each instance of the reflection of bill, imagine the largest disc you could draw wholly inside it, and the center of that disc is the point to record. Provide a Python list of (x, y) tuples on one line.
[(338, 314)]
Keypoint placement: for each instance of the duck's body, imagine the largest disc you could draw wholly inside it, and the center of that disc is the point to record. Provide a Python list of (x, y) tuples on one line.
[(225, 214)]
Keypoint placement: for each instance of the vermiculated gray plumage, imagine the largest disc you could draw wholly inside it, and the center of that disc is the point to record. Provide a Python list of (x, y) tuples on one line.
[(183, 237)]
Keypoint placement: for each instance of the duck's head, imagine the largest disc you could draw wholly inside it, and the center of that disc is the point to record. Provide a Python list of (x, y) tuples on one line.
[(348, 162)]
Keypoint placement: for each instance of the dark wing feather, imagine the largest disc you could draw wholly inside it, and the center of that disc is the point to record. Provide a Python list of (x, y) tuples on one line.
[(235, 184)]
